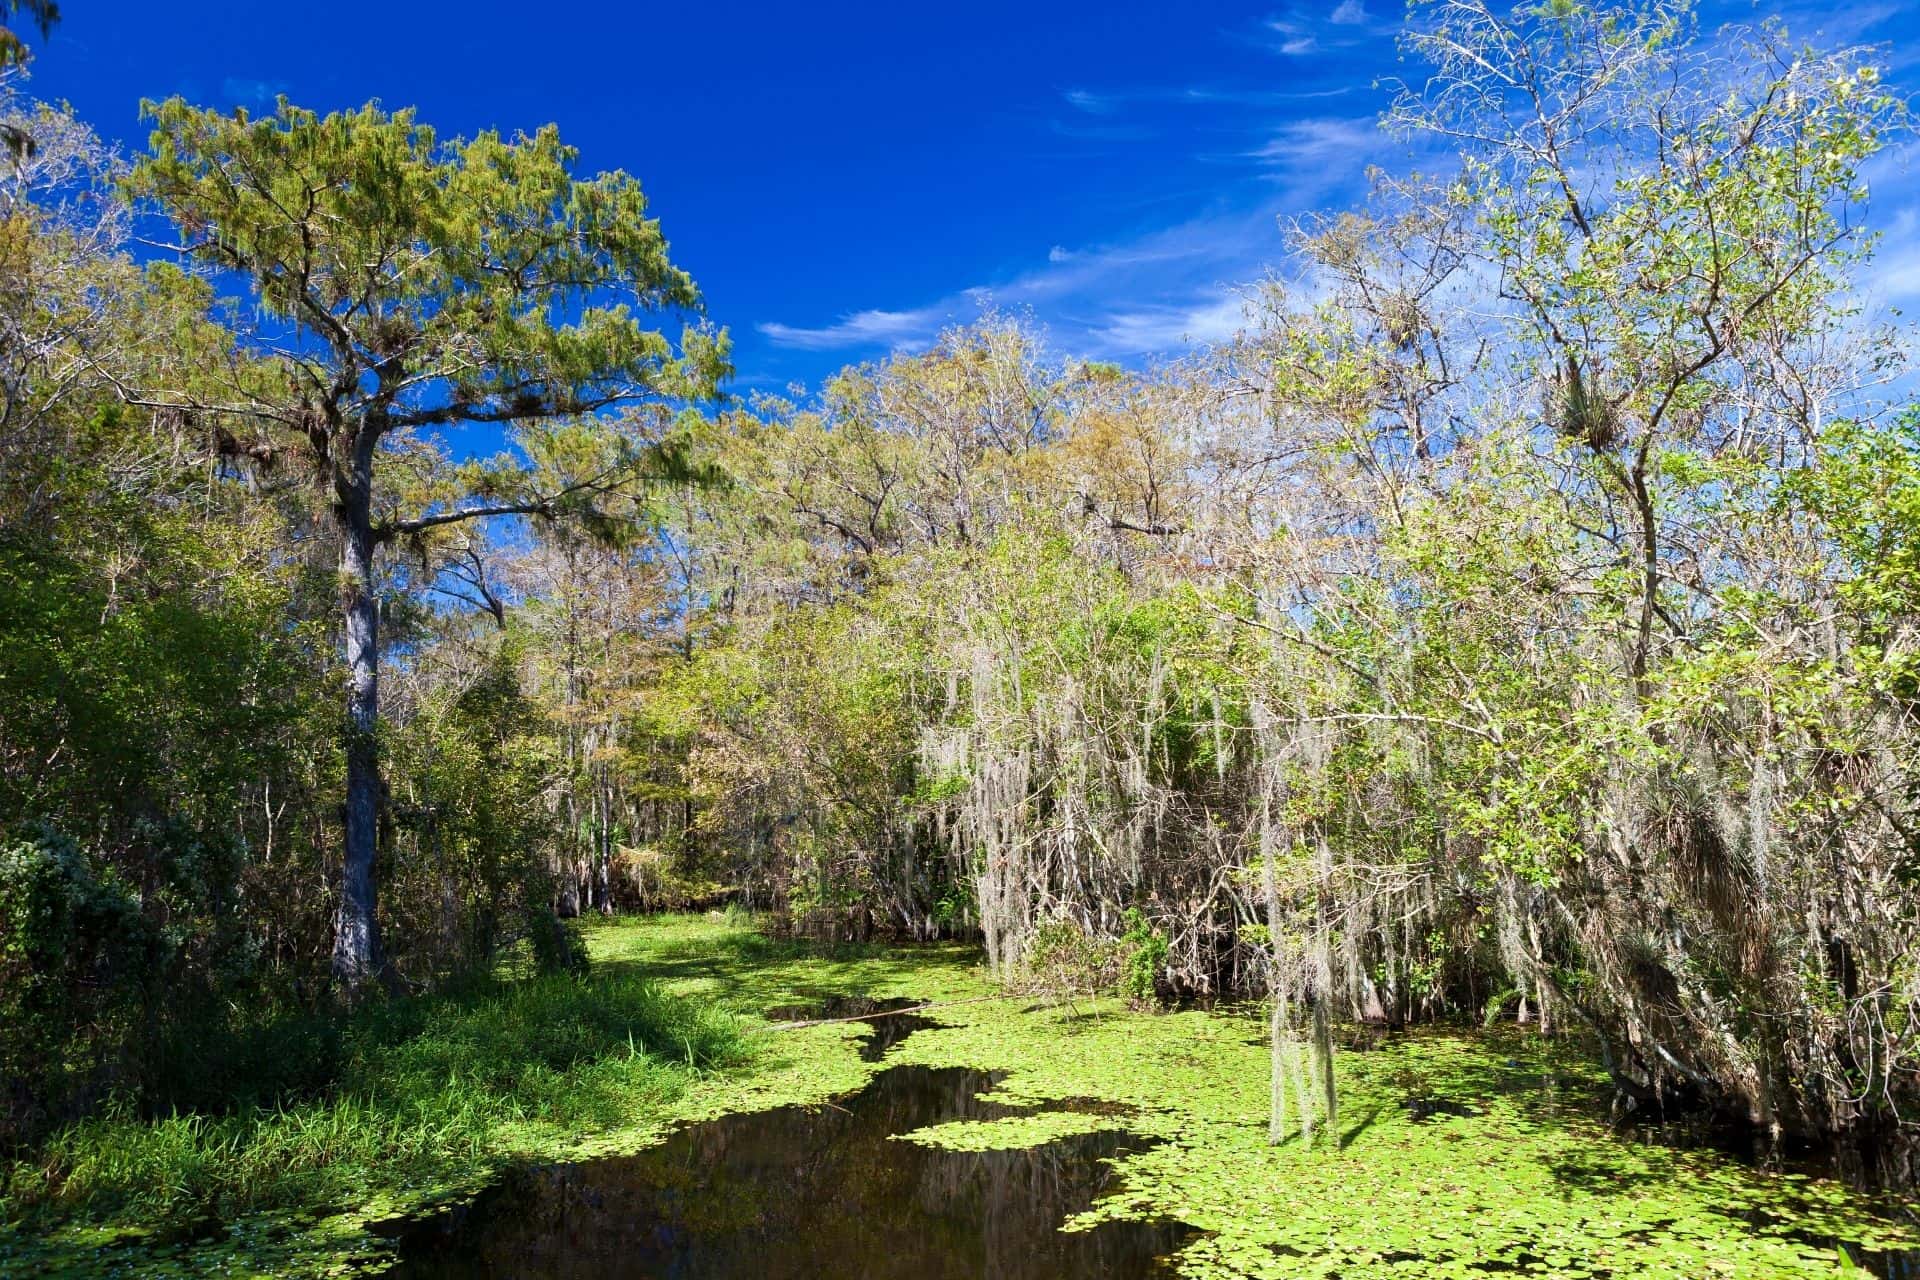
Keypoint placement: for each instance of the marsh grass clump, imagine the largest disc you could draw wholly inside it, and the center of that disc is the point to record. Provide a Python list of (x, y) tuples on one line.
[(402, 1093)]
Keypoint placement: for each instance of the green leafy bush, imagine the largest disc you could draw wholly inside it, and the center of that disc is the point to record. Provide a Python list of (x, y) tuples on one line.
[(1061, 958), (1147, 951), (74, 955)]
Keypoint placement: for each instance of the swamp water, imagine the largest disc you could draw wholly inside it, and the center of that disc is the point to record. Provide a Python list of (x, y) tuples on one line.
[(803, 1191), (1483, 1153), (888, 1019)]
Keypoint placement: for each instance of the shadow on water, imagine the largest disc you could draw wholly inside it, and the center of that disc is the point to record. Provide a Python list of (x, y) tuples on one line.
[(1885, 1171), (889, 1025), (806, 1192)]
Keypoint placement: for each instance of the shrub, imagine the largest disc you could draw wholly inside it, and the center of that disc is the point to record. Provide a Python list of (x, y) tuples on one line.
[(1146, 952), (74, 953)]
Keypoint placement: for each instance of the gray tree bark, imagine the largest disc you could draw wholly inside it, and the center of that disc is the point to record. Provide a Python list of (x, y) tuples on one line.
[(357, 954)]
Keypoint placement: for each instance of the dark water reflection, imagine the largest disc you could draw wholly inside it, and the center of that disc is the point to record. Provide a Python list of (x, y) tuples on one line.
[(802, 1193), (889, 1025)]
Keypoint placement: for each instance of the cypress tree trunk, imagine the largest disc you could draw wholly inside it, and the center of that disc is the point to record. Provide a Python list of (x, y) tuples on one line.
[(356, 938)]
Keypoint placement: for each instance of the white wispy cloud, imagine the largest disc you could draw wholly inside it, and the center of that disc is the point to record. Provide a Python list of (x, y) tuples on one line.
[(1316, 144), (1896, 277), (1113, 101), (861, 329), (1094, 104), (1148, 295), (1294, 37), (1300, 31), (1110, 101), (1170, 250), (1157, 291), (1261, 97), (1209, 318)]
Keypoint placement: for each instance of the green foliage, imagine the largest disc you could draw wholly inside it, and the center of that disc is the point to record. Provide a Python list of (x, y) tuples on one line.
[(1062, 959), (1864, 488), (1205, 664), (470, 777), (303, 203), (435, 287), (128, 691), (557, 945), (76, 963), (401, 1092), (43, 14), (1140, 970), (135, 718)]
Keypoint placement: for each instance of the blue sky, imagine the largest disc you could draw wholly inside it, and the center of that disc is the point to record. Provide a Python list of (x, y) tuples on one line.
[(846, 179)]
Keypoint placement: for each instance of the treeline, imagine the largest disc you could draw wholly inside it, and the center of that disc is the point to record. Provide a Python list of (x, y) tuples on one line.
[(1517, 620)]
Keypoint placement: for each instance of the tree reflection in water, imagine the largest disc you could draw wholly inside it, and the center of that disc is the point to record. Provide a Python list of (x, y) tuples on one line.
[(806, 1192)]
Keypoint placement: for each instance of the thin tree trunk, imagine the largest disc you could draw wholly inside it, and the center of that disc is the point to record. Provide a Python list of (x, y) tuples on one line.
[(1323, 996), (1323, 1058), (356, 940), (1277, 1019), (603, 827)]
